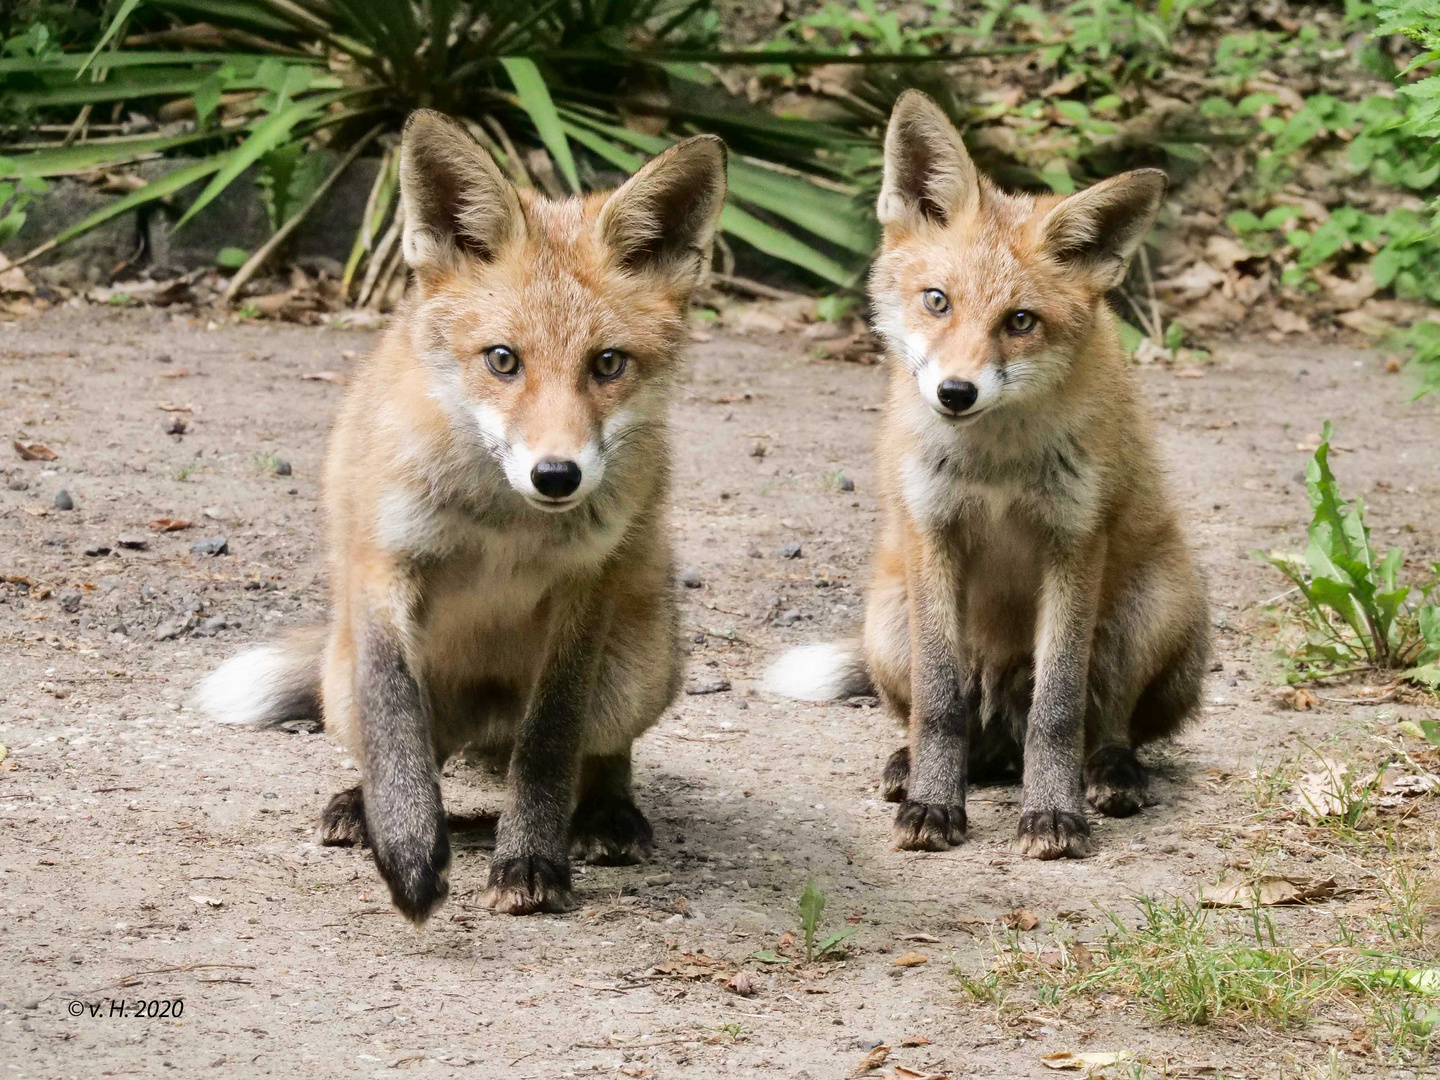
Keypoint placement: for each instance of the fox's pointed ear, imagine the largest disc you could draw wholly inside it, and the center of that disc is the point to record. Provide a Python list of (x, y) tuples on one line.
[(662, 220), (1097, 230), (928, 173), (453, 195)]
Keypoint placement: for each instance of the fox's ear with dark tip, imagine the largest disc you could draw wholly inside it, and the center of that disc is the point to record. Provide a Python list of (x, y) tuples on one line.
[(455, 200), (1097, 230), (928, 173), (663, 219)]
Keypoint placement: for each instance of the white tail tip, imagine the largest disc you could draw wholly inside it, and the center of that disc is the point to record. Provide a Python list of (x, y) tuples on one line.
[(817, 673), (243, 690)]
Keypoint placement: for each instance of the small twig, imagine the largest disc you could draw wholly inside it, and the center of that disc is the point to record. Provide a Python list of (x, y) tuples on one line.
[(247, 271), (78, 126), (746, 287), (1154, 303)]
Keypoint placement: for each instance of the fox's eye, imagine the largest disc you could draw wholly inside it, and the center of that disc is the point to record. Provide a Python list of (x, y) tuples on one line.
[(1020, 322), (935, 301), (609, 364), (502, 361)]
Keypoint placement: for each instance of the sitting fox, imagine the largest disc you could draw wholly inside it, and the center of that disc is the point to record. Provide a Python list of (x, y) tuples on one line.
[(496, 489), (1034, 606)]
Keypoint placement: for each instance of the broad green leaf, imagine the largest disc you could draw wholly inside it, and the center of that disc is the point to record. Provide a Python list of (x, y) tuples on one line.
[(781, 245), (264, 137), (534, 98), (829, 941), (769, 956), (93, 154), (812, 908), (11, 224), (231, 258)]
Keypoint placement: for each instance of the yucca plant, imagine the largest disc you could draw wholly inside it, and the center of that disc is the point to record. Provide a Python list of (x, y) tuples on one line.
[(559, 91)]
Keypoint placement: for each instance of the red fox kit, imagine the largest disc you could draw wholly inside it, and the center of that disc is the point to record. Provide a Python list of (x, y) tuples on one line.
[(1034, 605), (496, 490)]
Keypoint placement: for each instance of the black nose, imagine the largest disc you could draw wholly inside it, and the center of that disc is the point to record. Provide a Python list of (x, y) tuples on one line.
[(957, 396), (555, 478)]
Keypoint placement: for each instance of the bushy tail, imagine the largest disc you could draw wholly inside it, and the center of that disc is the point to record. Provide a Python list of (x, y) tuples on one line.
[(267, 684), (827, 672)]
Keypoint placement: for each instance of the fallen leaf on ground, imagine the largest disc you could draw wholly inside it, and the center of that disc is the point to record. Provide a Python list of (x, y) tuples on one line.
[(1189, 373), (1298, 699), (170, 406), (170, 524), (33, 451), (209, 901), (1402, 789), (872, 1060), (740, 984), (1071, 1059), (911, 958), (1266, 891), (178, 373), (915, 1040), (1022, 919), (900, 1072), (37, 511), (927, 938), (326, 376), (1322, 794), (1416, 980)]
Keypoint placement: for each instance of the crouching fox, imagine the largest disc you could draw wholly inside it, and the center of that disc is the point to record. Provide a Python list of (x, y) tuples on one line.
[(496, 489), (1034, 607)]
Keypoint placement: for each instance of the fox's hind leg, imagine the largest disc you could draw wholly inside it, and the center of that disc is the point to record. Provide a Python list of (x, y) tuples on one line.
[(1145, 673), (607, 827)]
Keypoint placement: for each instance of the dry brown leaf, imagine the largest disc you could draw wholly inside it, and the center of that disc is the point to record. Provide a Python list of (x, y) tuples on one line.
[(740, 983), (873, 1060), (1322, 793), (37, 511), (900, 1072), (1266, 891), (1072, 1059), (170, 524), (915, 1040), (1022, 919), (326, 376), (170, 406), (911, 958), (1298, 698), (1189, 373), (33, 451), (178, 373)]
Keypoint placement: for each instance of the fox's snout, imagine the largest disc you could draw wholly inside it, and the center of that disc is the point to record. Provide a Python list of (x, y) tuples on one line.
[(556, 478), (551, 478)]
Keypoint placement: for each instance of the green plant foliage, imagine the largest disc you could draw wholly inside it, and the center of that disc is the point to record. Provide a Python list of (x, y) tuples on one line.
[(1357, 613), (812, 918)]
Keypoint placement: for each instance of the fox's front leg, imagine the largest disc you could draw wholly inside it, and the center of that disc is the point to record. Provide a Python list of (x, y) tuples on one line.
[(932, 815), (400, 787), (1052, 811), (530, 870)]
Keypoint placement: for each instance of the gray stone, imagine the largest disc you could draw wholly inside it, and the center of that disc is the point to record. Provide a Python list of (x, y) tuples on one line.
[(211, 545), (788, 551), (70, 600), (63, 501), (691, 579), (282, 467), (173, 628), (134, 542), (707, 686)]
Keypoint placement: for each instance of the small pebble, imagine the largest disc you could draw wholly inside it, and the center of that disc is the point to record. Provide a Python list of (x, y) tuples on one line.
[(212, 545), (63, 501), (707, 686), (211, 627), (98, 549), (788, 551), (758, 450), (173, 425), (282, 467), (169, 631), (19, 485), (70, 600), (691, 579), (134, 542), (846, 484), (790, 618), (118, 627)]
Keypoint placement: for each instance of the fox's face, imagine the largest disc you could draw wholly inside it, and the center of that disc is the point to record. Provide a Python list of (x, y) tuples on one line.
[(551, 329), (982, 296)]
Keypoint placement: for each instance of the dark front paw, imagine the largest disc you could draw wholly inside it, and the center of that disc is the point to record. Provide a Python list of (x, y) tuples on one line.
[(529, 883), (610, 830), (1115, 781), (896, 776), (928, 826), (1053, 834), (418, 873), (342, 823)]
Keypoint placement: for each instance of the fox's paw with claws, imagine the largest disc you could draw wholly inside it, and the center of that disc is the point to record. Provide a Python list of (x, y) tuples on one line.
[(896, 777), (1053, 834), (928, 826), (610, 830), (529, 883), (1115, 781)]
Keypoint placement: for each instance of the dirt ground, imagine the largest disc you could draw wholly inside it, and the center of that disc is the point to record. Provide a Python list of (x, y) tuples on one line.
[(146, 855)]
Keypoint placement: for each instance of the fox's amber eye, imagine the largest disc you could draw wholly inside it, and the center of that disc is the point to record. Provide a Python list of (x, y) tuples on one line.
[(1020, 322), (935, 301), (609, 364), (502, 361)]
